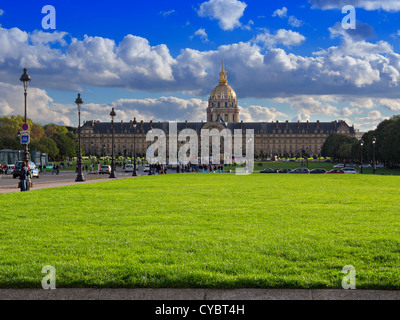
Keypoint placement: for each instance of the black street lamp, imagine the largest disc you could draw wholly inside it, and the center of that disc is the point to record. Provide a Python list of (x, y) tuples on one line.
[(112, 174), (79, 177), (25, 79), (307, 156), (373, 155), (134, 123), (362, 147), (302, 157)]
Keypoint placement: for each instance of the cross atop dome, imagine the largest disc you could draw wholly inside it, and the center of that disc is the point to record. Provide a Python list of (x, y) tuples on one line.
[(223, 76)]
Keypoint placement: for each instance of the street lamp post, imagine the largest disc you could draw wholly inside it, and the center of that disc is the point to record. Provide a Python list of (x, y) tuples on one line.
[(307, 156), (373, 155), (112, 174), (362, 147), (25, 79), (134, 123), (79, 177)]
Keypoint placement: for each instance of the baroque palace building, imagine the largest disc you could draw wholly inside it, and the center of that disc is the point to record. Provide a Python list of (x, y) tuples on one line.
[(271, 138)]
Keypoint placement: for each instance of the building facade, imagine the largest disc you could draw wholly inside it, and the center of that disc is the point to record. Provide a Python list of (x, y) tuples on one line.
[(271, 138)]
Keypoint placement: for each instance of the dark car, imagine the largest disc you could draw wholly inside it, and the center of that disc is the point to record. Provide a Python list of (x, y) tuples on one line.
[(336, 171), (269, 170), (300, 170), (285, 170), (318, 171), (34, 172)]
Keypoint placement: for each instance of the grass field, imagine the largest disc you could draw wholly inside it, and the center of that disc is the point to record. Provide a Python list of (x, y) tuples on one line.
[(205, 230)]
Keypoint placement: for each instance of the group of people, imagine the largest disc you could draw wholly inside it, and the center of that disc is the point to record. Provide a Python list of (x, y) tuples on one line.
[(3, 168)]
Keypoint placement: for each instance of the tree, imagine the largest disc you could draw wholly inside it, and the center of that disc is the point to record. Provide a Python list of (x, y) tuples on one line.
[(10, 143), (45, 145), (339, 147), (51, 129), (66, 145)]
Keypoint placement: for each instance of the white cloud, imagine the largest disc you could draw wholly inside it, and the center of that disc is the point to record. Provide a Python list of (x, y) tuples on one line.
[(391, 104), (285, 37), (202, 34), (1, 12), (292, 20), (371, 121), (259, 113), (307, 106), (371, 5), (40, 107), (227, 12), (160, 109), (281, 13), (167, 13)]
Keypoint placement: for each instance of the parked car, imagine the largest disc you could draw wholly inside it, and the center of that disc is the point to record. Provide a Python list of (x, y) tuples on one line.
[(10, 168), (105, 169), (339, 165), (336, 171), (318, 171), (129, 168), (381, 166), (328, 160), (365, 165), (34, 172), (350, 170), (266, 170), (350, 165), (147, 168), (50, 165), (300, 170), (285, 170)]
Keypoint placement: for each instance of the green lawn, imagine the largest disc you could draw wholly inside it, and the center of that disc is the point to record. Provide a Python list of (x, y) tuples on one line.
[(205, 230)]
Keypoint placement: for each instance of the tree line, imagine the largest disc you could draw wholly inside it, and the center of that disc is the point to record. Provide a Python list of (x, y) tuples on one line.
[(55, 140), (387, 147)]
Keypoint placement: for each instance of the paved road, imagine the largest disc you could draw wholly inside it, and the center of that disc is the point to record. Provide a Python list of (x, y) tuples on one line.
[(197, 294), (48, 180)]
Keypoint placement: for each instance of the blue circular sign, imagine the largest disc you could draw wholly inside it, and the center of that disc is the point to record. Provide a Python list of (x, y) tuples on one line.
[(25, 127)]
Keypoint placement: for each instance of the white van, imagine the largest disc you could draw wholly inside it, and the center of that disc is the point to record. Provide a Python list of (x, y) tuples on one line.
[(10, 168)]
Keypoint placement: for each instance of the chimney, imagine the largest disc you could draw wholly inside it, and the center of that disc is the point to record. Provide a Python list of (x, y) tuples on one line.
[(131, 124), (307, 124), (277, 124), (298, 124), (241, 124), (317, 124), (151, 124), (122, 123), (287, 124), (141, 125), (185, 123)]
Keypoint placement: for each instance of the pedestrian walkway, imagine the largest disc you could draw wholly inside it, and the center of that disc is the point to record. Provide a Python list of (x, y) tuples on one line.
[(197, 294), (62, 183)]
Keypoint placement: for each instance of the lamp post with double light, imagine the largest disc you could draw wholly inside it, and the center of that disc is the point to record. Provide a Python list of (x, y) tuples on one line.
[(79, 177), (361, 164), (112, 174), (373, 155), (134, 124), (25, 79)]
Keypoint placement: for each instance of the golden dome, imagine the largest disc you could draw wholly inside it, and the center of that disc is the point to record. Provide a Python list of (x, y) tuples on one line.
[(223, 91)]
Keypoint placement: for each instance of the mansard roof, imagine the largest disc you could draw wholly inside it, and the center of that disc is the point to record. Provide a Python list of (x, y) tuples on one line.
[(258, 127)]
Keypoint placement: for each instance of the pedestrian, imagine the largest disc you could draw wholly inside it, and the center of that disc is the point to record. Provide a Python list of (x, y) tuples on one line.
[(57, 169), (54, 169), (23, 178)]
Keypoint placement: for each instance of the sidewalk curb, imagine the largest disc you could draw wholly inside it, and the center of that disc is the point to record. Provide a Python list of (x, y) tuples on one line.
[(197, 294)]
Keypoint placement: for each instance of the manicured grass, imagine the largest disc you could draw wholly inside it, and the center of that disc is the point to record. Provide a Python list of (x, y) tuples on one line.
[(205, 230)]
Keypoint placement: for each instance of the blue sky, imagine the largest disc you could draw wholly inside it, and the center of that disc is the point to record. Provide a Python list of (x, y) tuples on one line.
[(286, 60)]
